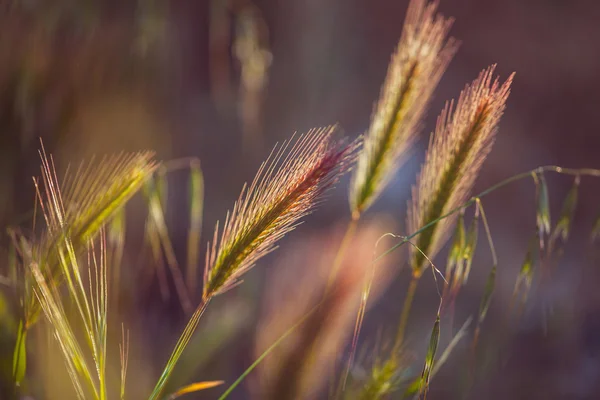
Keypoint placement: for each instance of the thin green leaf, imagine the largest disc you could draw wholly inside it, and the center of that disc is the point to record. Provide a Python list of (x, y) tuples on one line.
[(159, 224), (543, 207), (413, 388), (487, 295), (568, 210), (152, 240), (430, 357), (525, 277), (116, 242), (20, 355), (470, 245), (196, 196), (455, 340), (458, 245)]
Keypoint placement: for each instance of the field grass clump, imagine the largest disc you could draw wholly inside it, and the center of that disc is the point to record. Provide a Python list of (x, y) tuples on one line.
[(69, 271)]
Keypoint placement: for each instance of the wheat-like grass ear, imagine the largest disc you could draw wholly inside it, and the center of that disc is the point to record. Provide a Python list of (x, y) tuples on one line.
[(286, 188), (79, 206), (421, 58), (463, 137), (74, 210)]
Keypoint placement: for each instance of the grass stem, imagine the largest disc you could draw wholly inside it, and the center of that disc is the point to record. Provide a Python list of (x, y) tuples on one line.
[(339, 257), (499, 185), (408, 300)]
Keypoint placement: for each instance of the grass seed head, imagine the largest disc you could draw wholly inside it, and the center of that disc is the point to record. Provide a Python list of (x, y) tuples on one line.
[(286, 188), (463, 137), (422, 56)]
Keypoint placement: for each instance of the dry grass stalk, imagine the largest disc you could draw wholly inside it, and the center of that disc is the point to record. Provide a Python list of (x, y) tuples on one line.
[(421, 58), (462, 139), (286, 188)]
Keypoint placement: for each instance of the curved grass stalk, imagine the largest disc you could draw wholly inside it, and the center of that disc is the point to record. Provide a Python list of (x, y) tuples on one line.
[(477, 198), (339, 257), (547, 168), (408, 300)]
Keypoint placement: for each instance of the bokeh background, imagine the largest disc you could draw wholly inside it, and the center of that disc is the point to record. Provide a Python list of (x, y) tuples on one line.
[(224, 80)]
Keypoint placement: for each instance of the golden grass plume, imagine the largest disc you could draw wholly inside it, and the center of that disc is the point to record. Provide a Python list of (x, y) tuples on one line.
[(286, 188), (77, 207), (463, 137), (421, 58)]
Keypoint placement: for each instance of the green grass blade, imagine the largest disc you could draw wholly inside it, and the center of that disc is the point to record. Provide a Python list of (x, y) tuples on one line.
[(487, 295), (568, 211), (458, 245), (116, 241), (543, 206), (158, 219), (430, 357), (471, 245), (180, 346), (20, 355), (413, 388), (196, 196)]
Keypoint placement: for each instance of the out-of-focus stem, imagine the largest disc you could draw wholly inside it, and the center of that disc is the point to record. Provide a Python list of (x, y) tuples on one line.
[(339, 257), (410, 294)]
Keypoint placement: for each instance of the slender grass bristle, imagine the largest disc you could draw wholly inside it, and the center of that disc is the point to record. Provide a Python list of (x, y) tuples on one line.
[(286, 188), (421, 58), (463, 137)]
